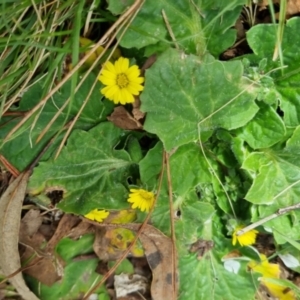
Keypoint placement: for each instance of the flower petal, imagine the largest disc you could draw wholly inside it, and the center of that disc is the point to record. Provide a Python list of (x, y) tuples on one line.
[(124, 65), (141, 199), (107, 80), (97, 215), (133, 71), (109, 66), (135, 88), (127, 96), (245, 239), (108, 74), (120, 65)]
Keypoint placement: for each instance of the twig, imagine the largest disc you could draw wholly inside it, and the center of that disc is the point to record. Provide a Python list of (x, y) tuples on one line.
[(279, 213), (173, 236), (170, 29)]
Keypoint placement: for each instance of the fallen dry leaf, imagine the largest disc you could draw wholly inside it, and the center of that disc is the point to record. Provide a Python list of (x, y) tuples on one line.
[(45, 267), (158, 249), (110, 244), (293, 7), (10, 214), (137, 113), (126, 284), (69, 226), (123, 119)]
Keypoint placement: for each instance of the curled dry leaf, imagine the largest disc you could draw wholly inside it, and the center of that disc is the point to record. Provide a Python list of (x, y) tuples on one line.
[(137, 113), (123, 119), (10, 214)]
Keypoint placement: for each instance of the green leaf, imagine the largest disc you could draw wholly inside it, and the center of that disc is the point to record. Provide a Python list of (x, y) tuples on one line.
[(90, 172), (277, 181), (188, 169), (125, 267), (134, 149), (78, 275), (287, 79), (22, 148), (207, 278), (68, 248), (117, 7), (276, 185), (183, 93), (265, 129), (198, 26), (151, 165), (78, 278)]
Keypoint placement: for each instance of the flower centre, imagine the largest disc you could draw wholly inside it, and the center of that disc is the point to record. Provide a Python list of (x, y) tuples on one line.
[(122, 81)]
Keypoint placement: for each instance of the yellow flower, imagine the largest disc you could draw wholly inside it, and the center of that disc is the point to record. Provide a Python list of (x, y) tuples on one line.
[(264, 267), (141, 199), (122, 81), (279, 291), (97, 215), (271, 271), (246, 239)]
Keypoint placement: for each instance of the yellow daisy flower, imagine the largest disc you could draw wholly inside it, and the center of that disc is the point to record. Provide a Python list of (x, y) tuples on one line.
[(97, 215), (141, 199), (279, 291), (271, 271), (122, 81), (264, 267), (246, 239)]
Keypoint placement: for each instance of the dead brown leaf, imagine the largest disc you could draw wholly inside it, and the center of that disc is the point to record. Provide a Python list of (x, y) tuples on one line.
[(44, 267), (69, 226), (201, 247), (137, 113), (102, 244), (123, 119), (158, 249), (10, 214), (293, 7)]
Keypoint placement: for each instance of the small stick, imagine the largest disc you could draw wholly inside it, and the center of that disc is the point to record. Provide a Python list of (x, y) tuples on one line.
[(172, 223), (279, 213), (170, 29)]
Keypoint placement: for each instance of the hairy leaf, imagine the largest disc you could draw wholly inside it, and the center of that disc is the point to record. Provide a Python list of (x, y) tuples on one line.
[(22, 148), (89, 171), (184, 94)]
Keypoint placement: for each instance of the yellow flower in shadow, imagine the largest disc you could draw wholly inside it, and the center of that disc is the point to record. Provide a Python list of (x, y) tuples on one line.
[(97, 215), (264, 267), (269, 270), (141, 199), (122, 82), (245, 239)]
